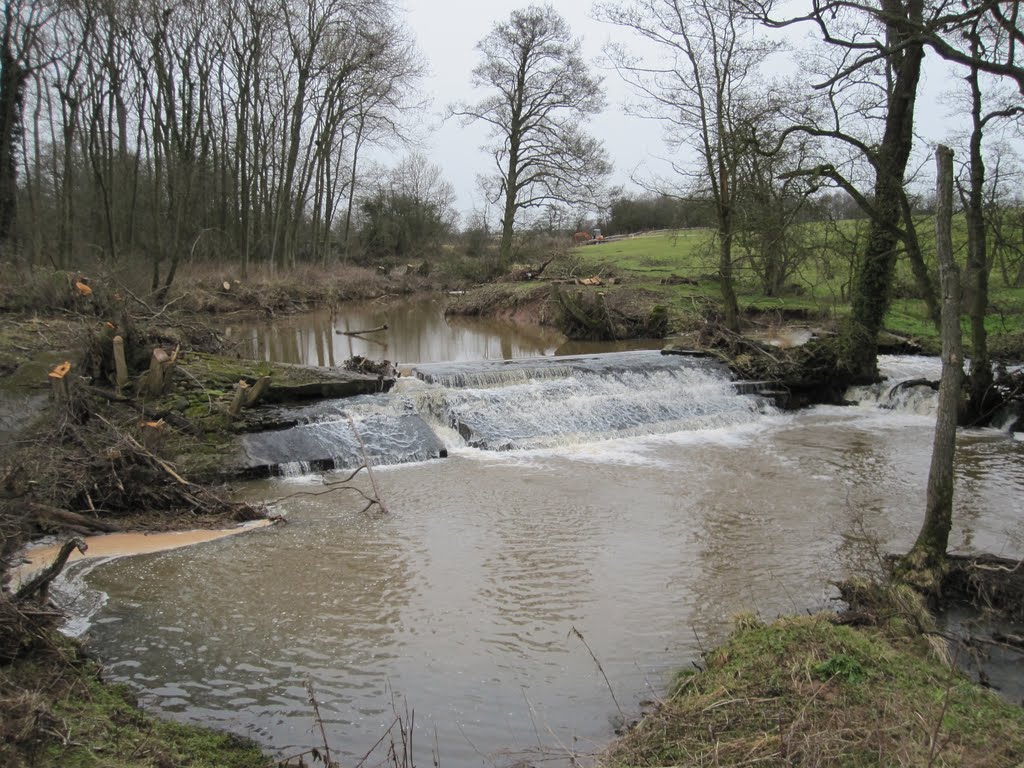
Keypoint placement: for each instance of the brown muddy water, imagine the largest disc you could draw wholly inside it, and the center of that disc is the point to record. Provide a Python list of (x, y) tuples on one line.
[(418, 332), (463, 602)]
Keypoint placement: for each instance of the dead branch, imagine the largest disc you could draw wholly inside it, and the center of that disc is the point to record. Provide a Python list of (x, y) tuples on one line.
[(66, 518), (577, 633), (40, 583)]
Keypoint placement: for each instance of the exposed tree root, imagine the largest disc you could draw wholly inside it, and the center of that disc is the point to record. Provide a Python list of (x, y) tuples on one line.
[(986, 581)]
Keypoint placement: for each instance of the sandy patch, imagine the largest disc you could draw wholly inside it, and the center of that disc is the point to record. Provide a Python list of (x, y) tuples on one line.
[(122, 545)]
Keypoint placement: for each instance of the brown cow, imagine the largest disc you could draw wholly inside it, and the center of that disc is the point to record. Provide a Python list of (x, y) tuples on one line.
[(581, 237)]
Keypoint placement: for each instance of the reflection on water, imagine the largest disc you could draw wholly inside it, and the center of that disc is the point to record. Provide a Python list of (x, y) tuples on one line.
[(417, 332), (463, 599)]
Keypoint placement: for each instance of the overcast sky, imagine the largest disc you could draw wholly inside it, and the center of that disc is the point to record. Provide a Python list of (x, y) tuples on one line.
[(447, 33)]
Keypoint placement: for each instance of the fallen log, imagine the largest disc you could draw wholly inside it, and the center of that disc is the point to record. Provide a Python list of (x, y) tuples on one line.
[(65, 517), (367, 330), (913, 383)]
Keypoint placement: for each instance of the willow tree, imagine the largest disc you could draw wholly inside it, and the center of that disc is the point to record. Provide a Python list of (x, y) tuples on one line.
[(540, 93), (702, 81)]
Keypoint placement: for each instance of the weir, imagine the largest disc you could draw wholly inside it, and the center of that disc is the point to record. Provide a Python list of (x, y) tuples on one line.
[(538, 403), (506, 405)]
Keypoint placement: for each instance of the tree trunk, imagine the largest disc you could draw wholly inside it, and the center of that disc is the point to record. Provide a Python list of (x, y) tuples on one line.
[(508, 217), (12, 83), (731, 315), (930, 548), (726, 229), (873, 281), (981, 394)]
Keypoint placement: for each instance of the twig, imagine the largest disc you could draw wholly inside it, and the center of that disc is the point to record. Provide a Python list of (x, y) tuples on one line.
[(366, 463), (999, 568), (318, 721), (934, 748), (374, 747), (146, 452), (583, 640), (324, 493)]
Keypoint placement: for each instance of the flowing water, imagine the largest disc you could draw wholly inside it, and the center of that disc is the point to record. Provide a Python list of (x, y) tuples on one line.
[(595, 524)]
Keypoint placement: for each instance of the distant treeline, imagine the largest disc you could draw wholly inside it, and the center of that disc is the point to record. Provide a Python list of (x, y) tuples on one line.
[(638, 213)]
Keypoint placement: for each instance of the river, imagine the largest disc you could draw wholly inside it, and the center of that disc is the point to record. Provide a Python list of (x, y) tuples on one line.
[(508, 594)]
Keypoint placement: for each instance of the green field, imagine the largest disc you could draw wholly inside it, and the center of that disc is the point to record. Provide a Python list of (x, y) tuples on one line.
[(819, 285)]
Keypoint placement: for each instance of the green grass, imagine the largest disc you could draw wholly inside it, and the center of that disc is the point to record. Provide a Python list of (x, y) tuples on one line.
[(805, 691), (823, 280), (687, 252), (119, 734)]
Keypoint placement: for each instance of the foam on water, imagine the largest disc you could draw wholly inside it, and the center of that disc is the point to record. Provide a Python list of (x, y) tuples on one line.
[(508, 406)]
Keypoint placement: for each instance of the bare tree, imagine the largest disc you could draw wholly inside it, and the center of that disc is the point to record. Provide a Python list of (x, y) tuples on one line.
[(988, 107), (930, 548), (408, 211), (541, 91), (705, 87), (771, 205), (23, 21), (877, 49)]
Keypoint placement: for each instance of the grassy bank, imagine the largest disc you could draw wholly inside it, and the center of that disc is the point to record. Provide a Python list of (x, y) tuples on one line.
[(806, 691), (56, 713)]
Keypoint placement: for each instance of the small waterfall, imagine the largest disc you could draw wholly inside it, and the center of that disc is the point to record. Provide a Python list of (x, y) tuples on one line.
[(390, 431), (585, 407), (909, 385), (919, 398), (506, 405), (464, 375)]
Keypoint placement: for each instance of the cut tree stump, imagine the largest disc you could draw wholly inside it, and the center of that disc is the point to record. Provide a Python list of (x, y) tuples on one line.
[(59, 379), (120, 365), (161, 366)]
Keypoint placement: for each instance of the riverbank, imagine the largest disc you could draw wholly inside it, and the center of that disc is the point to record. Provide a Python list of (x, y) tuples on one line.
[(57, 712), (811, 691)]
